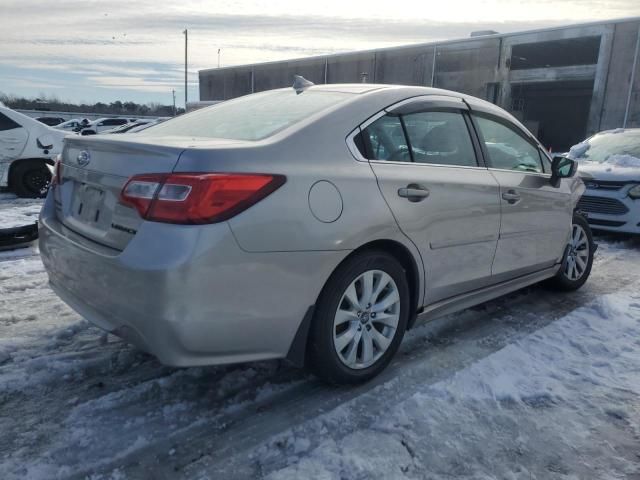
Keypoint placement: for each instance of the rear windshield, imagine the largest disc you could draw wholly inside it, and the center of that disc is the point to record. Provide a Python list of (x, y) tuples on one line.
[(252, 117)]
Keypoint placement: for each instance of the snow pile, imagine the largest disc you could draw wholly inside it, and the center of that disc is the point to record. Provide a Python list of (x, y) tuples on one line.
[(617, 160), (15, 212), (561, 402), (578, 150), (623, 161)]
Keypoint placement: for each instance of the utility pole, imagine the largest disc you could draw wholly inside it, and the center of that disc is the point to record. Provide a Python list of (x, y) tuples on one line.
[(173, 92), (186, 42)]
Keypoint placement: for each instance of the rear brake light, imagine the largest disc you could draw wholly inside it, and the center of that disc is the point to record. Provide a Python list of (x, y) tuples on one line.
[(56, 178), (196, 198)]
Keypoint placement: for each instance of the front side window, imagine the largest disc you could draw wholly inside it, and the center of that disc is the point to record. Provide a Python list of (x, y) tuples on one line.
[(7, 124), (440, 137), (507, 149), (546, 162)]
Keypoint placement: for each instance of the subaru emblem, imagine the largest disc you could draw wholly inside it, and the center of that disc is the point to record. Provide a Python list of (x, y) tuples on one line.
[(592, 185), (83, 158)]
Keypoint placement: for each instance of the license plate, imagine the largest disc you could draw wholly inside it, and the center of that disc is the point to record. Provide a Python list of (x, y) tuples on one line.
[(88, 203)]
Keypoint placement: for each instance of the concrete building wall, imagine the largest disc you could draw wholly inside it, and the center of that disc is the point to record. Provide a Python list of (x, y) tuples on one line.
[(468, 67), (404, 66), (616, 92), (350, 68), (596, 80)]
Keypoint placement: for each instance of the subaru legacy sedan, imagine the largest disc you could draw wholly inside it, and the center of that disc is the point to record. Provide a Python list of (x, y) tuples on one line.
[(315, 223)]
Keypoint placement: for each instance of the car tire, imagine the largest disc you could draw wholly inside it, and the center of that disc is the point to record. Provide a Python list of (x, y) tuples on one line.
[(578, 256), (30, 178), (376, 320)]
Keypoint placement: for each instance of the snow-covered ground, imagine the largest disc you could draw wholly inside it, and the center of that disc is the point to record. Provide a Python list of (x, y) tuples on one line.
[(15, 212), (536, 385)]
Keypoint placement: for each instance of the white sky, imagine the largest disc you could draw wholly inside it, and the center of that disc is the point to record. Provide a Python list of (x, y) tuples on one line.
[(88, 50)]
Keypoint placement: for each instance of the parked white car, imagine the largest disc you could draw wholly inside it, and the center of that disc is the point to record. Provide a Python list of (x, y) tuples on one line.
[(609, 164), (26, 147), (103, 124), (73, 125)]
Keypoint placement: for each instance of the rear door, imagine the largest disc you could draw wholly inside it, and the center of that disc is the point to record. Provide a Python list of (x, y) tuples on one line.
[(13, 138), (444, 200), (536, 217)]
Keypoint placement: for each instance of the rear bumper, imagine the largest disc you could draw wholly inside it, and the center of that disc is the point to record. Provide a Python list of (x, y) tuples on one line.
[(187, 294)]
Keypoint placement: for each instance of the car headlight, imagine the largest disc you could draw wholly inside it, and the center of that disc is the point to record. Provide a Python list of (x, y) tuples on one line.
[(635, 192)]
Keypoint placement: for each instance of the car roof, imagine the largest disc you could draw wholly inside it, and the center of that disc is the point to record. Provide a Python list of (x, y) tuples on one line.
[(407, 90), (396, 93), (384, 95)]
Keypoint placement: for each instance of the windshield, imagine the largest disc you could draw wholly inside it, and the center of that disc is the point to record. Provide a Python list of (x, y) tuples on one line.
[(603, 145), (252, 117)]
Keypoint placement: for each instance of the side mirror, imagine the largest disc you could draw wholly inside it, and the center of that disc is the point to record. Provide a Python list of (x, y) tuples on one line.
[(562, 167)]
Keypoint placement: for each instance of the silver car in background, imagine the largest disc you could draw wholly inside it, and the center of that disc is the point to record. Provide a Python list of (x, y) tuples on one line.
[(314, 223)]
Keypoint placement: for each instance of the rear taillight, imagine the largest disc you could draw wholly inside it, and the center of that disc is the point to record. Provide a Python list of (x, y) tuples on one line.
[(56, 178), (196, 198)]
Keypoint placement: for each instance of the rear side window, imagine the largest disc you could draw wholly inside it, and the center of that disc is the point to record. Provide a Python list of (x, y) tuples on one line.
[(384, 139), (440, 137), (252, 117), (7, 124), (434, 137), (508, 149)]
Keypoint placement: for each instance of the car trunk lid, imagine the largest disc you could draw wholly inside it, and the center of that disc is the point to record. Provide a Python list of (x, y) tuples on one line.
[(93, 172)]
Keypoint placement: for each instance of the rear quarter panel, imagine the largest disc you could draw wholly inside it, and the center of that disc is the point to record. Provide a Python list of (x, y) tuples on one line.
[(315, 151)]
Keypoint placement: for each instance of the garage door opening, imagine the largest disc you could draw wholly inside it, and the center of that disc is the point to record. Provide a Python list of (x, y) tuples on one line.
[(555, 112)]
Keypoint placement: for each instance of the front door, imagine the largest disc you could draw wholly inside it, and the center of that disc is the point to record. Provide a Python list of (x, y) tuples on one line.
[(536, 217), (427, 168)]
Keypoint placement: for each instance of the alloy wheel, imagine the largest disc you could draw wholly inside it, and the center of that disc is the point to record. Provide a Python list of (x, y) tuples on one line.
[(366, 320), (578, 254)]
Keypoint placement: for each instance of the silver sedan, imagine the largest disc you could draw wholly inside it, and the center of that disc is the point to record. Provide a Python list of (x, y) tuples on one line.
[(315, 223)]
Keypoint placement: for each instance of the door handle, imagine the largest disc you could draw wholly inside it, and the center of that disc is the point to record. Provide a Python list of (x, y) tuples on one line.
[(413, 192), (511, 196)]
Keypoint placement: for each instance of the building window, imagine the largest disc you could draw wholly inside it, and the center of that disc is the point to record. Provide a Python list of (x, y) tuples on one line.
[(555, 53)]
